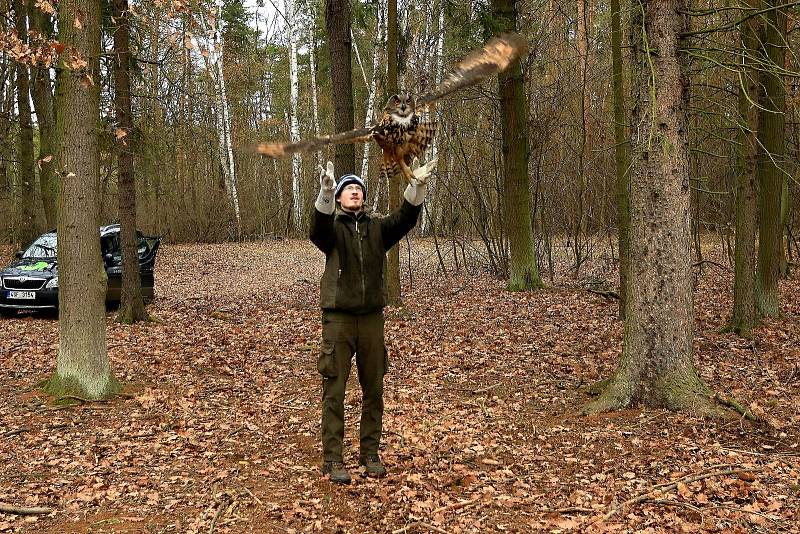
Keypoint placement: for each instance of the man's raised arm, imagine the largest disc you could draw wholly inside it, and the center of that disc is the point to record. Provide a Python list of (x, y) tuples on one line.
[(401, 221), (321, 233)]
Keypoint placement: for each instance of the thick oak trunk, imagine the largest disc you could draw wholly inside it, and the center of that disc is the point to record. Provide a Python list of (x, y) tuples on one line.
[(82, 368), (656, 368)]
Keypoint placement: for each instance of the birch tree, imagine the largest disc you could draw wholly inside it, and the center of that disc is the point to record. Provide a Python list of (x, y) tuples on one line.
[(294, 127), (312, 54), (369, 116), (430, 198), (213, 57)]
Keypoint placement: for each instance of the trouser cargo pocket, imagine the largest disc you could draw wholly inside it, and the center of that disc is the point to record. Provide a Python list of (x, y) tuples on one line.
[(326, 364)]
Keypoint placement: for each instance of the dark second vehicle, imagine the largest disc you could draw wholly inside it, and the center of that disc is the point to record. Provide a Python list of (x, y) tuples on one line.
[(31, 282)]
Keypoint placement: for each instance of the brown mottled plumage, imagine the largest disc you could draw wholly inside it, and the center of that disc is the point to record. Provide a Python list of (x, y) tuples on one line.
[(400, 133)]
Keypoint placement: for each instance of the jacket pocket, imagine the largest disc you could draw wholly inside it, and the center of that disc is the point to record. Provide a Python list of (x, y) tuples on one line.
[(326, 363)]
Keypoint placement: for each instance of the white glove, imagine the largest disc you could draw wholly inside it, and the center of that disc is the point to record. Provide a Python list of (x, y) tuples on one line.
[(327, 185), (415, 192)]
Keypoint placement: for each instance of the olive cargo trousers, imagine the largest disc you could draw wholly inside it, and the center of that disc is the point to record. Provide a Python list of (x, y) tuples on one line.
[(345, 334)]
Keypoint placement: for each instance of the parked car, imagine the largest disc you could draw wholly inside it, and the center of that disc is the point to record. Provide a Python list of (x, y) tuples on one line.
[(31, 282)]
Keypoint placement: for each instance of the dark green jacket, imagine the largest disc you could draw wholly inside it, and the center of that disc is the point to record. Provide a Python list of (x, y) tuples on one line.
[(355, 249)]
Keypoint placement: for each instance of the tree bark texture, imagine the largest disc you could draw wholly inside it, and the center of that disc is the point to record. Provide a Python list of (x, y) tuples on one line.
[(656, 367), (745, 315), (337, 23), (26, 176), (82, 367), (395, 197), (523, 272), (131, 305), (621, 159), (42, 96), (771, 138)]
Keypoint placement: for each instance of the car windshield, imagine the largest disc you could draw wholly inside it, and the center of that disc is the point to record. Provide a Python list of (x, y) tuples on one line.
[(43, 247)]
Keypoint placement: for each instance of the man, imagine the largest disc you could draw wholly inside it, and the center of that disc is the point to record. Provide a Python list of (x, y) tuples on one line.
[(352, 297)]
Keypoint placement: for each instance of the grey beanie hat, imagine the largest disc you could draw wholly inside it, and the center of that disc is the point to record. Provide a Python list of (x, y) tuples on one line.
[(346, 180)]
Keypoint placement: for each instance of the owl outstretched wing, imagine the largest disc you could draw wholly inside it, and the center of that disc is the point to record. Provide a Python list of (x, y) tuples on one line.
[(277, 149), (494, 57)]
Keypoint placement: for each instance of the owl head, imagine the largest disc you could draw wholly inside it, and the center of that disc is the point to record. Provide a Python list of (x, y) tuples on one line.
[(400, 108)]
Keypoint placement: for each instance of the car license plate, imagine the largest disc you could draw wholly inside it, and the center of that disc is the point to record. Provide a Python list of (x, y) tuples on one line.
[(21, 295)]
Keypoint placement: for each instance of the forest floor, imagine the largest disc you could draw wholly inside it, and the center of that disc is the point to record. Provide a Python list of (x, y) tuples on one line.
[(219, 427)]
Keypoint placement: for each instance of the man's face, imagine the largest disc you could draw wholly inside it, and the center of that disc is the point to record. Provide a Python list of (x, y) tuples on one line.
[(352, 197)]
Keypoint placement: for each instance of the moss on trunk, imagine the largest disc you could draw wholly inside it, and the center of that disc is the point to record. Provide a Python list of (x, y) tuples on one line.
[(132, 311), (60, 387)]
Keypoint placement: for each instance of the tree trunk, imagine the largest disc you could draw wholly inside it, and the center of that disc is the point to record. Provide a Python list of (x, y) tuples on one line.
[(312, 55), (294, 126), (784, 225), (26, 177), (131, 305), (337, 23), (42, 96), (395, 196), (82, 368), (745, 315), (214, 65), (771, 124), (656, 368), (523, 273), (429, 218), (6, 148), (580, 232), (620, 154), (369, 116)]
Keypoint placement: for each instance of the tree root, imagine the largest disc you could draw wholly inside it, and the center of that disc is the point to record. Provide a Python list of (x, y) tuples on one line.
[(740, 328), (606, 402), (734, 405), (616, 395), (596, 388), (608, 295)]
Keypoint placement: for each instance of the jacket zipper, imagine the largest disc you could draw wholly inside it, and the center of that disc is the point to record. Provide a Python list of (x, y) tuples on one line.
[(361, 262)]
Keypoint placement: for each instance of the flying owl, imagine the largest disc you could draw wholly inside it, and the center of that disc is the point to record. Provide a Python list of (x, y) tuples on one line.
[(401, 133)]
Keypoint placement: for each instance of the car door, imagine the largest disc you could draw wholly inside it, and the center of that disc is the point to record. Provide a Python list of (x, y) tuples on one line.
[(147, 249)]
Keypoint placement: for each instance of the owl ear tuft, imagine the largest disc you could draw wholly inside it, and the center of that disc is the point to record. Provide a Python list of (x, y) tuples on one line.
[(392, 100)]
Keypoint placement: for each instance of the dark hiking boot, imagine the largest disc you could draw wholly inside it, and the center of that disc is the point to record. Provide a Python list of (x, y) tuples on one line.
[(337, 471), (373, 465)]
